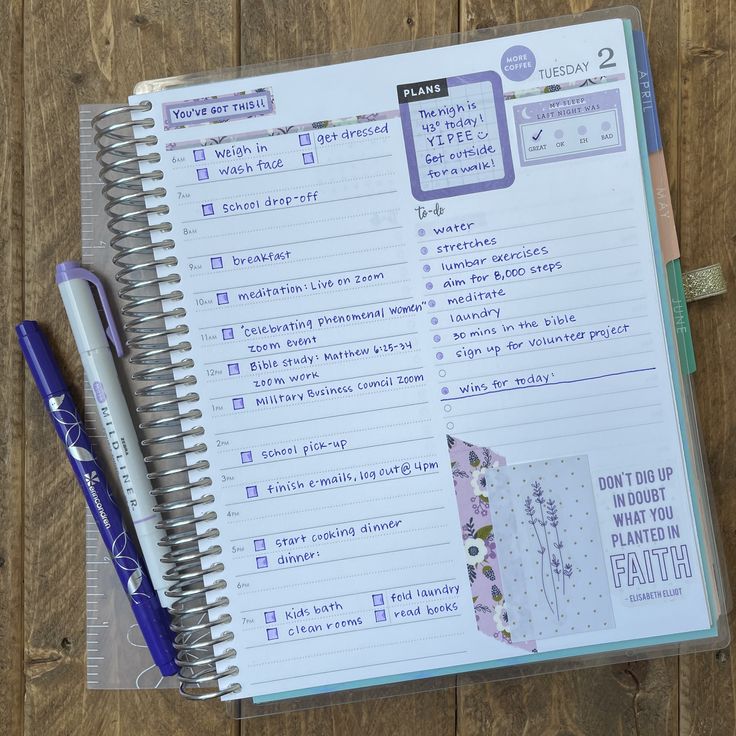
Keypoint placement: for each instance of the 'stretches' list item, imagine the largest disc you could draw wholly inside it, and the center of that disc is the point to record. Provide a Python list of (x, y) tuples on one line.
[(151, 617), (75, 284)]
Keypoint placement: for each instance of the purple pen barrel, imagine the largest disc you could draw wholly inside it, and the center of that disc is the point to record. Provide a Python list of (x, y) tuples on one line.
[(151, 617)]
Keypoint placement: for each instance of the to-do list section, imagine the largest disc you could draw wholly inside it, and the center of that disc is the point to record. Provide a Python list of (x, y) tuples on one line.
[(314, 386)]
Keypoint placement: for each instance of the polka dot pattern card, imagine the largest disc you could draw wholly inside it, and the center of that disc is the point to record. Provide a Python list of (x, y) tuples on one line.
[(549, 548)]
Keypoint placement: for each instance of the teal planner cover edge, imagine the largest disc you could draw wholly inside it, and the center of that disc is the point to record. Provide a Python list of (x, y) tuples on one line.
[(677, 355)]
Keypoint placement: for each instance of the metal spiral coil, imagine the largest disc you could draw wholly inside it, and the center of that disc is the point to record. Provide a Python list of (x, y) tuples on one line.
[(156, 336)]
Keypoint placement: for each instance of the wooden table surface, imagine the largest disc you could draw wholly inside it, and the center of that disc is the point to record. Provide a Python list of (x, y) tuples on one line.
[(56, 55)]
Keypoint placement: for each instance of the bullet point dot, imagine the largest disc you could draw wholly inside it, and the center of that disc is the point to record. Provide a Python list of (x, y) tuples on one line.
[(450, 425), (432, 303), (439, 356), (421, 232), (448, 407), (424, 251), (443, 373), (445, 390), (436, 338), (429, 285), (434, 320), (426, 268)]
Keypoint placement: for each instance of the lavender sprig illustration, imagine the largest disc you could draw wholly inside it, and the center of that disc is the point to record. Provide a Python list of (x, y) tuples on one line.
[(529, 510), (554, 522), (559, 568), (538, 494)]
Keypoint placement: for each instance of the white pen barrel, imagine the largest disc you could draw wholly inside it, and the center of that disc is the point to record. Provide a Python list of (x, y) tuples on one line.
[(117, 423)]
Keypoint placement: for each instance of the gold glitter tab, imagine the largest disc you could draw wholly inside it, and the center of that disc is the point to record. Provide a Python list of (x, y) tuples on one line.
[(703, 282)]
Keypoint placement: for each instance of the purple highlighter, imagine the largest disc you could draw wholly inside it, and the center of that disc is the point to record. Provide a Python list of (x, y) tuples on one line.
[(151, 617)]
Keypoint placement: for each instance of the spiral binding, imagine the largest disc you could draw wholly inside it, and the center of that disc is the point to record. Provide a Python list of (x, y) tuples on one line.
[(154, 334)]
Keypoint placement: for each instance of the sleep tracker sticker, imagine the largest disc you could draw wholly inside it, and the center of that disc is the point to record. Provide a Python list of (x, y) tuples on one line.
[(456, 135), (582, 124)]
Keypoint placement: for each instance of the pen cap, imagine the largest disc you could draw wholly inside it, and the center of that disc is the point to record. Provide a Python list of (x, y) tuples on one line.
[(75, 284), (40, 359)]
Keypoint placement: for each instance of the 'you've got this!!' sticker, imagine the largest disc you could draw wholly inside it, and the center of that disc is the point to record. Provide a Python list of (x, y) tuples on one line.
[(456, 135)]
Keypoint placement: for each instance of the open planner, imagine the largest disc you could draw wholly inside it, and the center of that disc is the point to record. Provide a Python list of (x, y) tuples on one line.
[(410, 336)]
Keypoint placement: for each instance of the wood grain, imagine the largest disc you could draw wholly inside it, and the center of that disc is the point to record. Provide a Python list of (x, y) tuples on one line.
[(11, 367), (708, 235), (85, 51), (638, 697), (285, 29)]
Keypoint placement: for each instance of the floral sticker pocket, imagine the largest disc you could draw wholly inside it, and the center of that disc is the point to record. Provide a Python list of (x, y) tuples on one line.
[(470, 464), (548, 543)]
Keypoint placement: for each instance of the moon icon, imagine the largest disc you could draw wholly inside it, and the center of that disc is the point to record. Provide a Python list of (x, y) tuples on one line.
[(524, 114)]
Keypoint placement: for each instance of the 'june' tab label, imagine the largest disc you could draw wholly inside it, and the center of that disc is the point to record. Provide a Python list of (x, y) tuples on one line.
[(429, 90)]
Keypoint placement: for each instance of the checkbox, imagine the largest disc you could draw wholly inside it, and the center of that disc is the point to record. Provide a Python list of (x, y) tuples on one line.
[(270, 617), (198, 154), (238, 403), (233, 369), (378, 599), (246, 457), (223, 298), (308, 158), (216, 262), (272, 634), (261, 562), (380, 615), (202, 174), (227, 333), (259, 545), (208, 209), (251, 491), (304, 139)]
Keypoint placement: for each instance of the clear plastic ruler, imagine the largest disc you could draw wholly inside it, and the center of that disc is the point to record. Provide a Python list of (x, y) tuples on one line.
[(117, 657)]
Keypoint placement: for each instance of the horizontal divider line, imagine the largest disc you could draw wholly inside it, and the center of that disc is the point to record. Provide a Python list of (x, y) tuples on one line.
[(554, 383)]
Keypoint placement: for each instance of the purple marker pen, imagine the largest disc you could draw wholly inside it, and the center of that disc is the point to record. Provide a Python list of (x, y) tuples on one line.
[(151, 617)]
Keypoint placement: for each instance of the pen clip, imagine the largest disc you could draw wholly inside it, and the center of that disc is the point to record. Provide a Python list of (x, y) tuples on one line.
[(69, 270)]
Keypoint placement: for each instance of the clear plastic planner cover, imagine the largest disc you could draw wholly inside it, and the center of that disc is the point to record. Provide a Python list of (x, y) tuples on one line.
[(561, 551)]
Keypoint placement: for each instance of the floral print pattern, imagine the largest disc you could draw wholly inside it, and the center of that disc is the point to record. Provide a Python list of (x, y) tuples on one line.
[(469, 464)]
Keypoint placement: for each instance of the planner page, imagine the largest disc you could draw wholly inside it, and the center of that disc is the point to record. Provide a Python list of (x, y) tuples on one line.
[(425, 309)]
